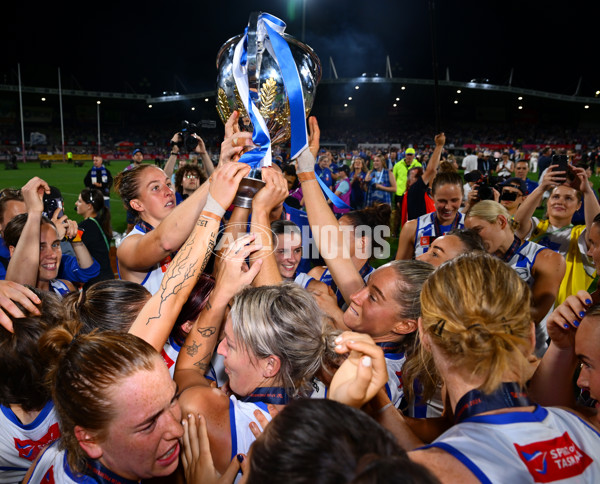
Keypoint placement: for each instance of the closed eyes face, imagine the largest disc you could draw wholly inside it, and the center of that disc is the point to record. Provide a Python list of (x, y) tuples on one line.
[(442, 249)]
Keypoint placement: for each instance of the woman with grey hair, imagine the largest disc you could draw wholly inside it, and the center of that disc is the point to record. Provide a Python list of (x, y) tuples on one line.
[(275, 339)]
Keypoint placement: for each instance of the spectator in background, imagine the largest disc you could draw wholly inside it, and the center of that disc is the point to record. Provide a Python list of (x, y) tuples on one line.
[(342, 189), (358, 172), (485, 164), (187, 180), (322, 169), (513, 192), (100, 178), (97, 231), (469, 162), (505, 166), (400, 174), (381, 183), (521, 171)]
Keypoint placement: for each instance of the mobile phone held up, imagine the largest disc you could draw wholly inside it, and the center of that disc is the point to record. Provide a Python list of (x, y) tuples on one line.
[(562, 164), (52, 201)]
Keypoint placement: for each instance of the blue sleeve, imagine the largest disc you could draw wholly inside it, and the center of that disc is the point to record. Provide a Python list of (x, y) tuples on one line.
[(70, 270)]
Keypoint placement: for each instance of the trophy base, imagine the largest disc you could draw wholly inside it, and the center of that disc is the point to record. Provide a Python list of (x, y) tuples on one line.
[(249, 185)]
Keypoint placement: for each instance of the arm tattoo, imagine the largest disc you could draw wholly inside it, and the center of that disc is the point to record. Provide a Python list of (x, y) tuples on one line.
[(207, 332), (192, 350), (203, 366)]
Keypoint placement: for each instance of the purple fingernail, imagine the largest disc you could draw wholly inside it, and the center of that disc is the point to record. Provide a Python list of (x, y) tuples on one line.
[(566, 326), (576, 324), (581, 314), (588, 301), (240, 457)]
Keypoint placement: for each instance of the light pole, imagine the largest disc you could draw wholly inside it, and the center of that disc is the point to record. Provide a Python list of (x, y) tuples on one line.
[(98, 111)]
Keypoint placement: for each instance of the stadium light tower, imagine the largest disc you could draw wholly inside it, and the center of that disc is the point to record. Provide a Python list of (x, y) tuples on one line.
[(98, 112)]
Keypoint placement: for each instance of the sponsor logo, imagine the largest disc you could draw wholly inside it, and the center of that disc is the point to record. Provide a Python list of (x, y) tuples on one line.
[(553, 460), (29, 449)]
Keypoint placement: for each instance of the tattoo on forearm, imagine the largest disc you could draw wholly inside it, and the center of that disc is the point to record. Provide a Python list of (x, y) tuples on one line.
[(192, 350), (202, 223), (208, 306), (207, 332), (202, 364)]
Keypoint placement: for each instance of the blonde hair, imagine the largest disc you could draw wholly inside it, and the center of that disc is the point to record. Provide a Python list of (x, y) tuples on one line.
[(489, 210), (476, 310)]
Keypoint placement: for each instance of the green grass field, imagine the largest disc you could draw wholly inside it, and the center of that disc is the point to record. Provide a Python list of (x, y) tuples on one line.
[(69, 180)]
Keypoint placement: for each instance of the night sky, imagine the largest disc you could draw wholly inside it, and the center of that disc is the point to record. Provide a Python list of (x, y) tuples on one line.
[(152, 46)]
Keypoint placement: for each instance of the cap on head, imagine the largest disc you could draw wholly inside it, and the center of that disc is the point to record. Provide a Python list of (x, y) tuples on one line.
[(137, 150), (409, 151), (517, 183)]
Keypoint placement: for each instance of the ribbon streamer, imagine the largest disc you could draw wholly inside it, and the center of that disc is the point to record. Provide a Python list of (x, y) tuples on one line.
[(269, 31)]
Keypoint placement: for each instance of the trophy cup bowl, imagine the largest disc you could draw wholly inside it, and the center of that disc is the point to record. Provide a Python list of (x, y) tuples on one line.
[(265, 79)]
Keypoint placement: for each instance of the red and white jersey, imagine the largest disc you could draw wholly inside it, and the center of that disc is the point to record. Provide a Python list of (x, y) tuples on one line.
[(20, 444)]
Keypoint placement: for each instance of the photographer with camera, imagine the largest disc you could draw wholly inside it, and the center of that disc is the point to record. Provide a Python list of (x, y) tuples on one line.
[(188, 140), (482, 189)]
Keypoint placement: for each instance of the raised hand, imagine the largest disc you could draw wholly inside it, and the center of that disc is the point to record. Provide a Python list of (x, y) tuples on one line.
[(225, 182), (362, 374)]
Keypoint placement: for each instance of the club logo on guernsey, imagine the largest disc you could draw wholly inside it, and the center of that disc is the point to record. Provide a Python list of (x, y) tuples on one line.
[(29, 449), (553, 460), (48, 477)]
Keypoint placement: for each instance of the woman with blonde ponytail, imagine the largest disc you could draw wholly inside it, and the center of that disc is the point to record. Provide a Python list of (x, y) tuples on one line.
[(476, 337)]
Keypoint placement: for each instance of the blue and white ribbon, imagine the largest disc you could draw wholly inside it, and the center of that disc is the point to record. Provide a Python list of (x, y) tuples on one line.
[(269, 31)]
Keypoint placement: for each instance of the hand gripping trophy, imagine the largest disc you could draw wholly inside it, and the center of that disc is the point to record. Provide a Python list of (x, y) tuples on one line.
[(271, 79)]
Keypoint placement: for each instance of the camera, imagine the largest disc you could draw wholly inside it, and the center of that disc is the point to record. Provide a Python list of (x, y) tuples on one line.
[(484, 189), (187, 130)]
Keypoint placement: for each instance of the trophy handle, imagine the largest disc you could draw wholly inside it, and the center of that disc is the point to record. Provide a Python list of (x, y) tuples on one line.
[(252, 65)]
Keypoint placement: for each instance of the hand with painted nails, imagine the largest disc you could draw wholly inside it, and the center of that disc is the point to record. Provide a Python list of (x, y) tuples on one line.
[(197, 460), (565, 319), (362, 374)]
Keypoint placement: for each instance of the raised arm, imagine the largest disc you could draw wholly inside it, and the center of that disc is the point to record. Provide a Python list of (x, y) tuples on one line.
[(207, 163), (526, 210), (325, 226), (434, 161), (170, 164), (406, 242), (548, 272), (155, 321), (25, 259), (232, 276), (264, 202)]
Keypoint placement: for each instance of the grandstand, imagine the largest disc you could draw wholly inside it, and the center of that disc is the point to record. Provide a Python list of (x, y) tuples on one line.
[(350, 111)]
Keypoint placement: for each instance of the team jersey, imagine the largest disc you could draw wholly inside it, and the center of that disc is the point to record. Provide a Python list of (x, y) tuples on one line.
[(427, 230), (546, 445), (155, 274), (53, 467), (20, 444), (522, 262), (240, 416)]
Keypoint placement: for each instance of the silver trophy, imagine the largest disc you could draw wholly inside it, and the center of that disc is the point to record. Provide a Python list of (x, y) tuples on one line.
[(264, 79)]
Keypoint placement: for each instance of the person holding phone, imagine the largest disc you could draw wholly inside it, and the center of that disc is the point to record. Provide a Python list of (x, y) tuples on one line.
[(556, 231), (34, 244)]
